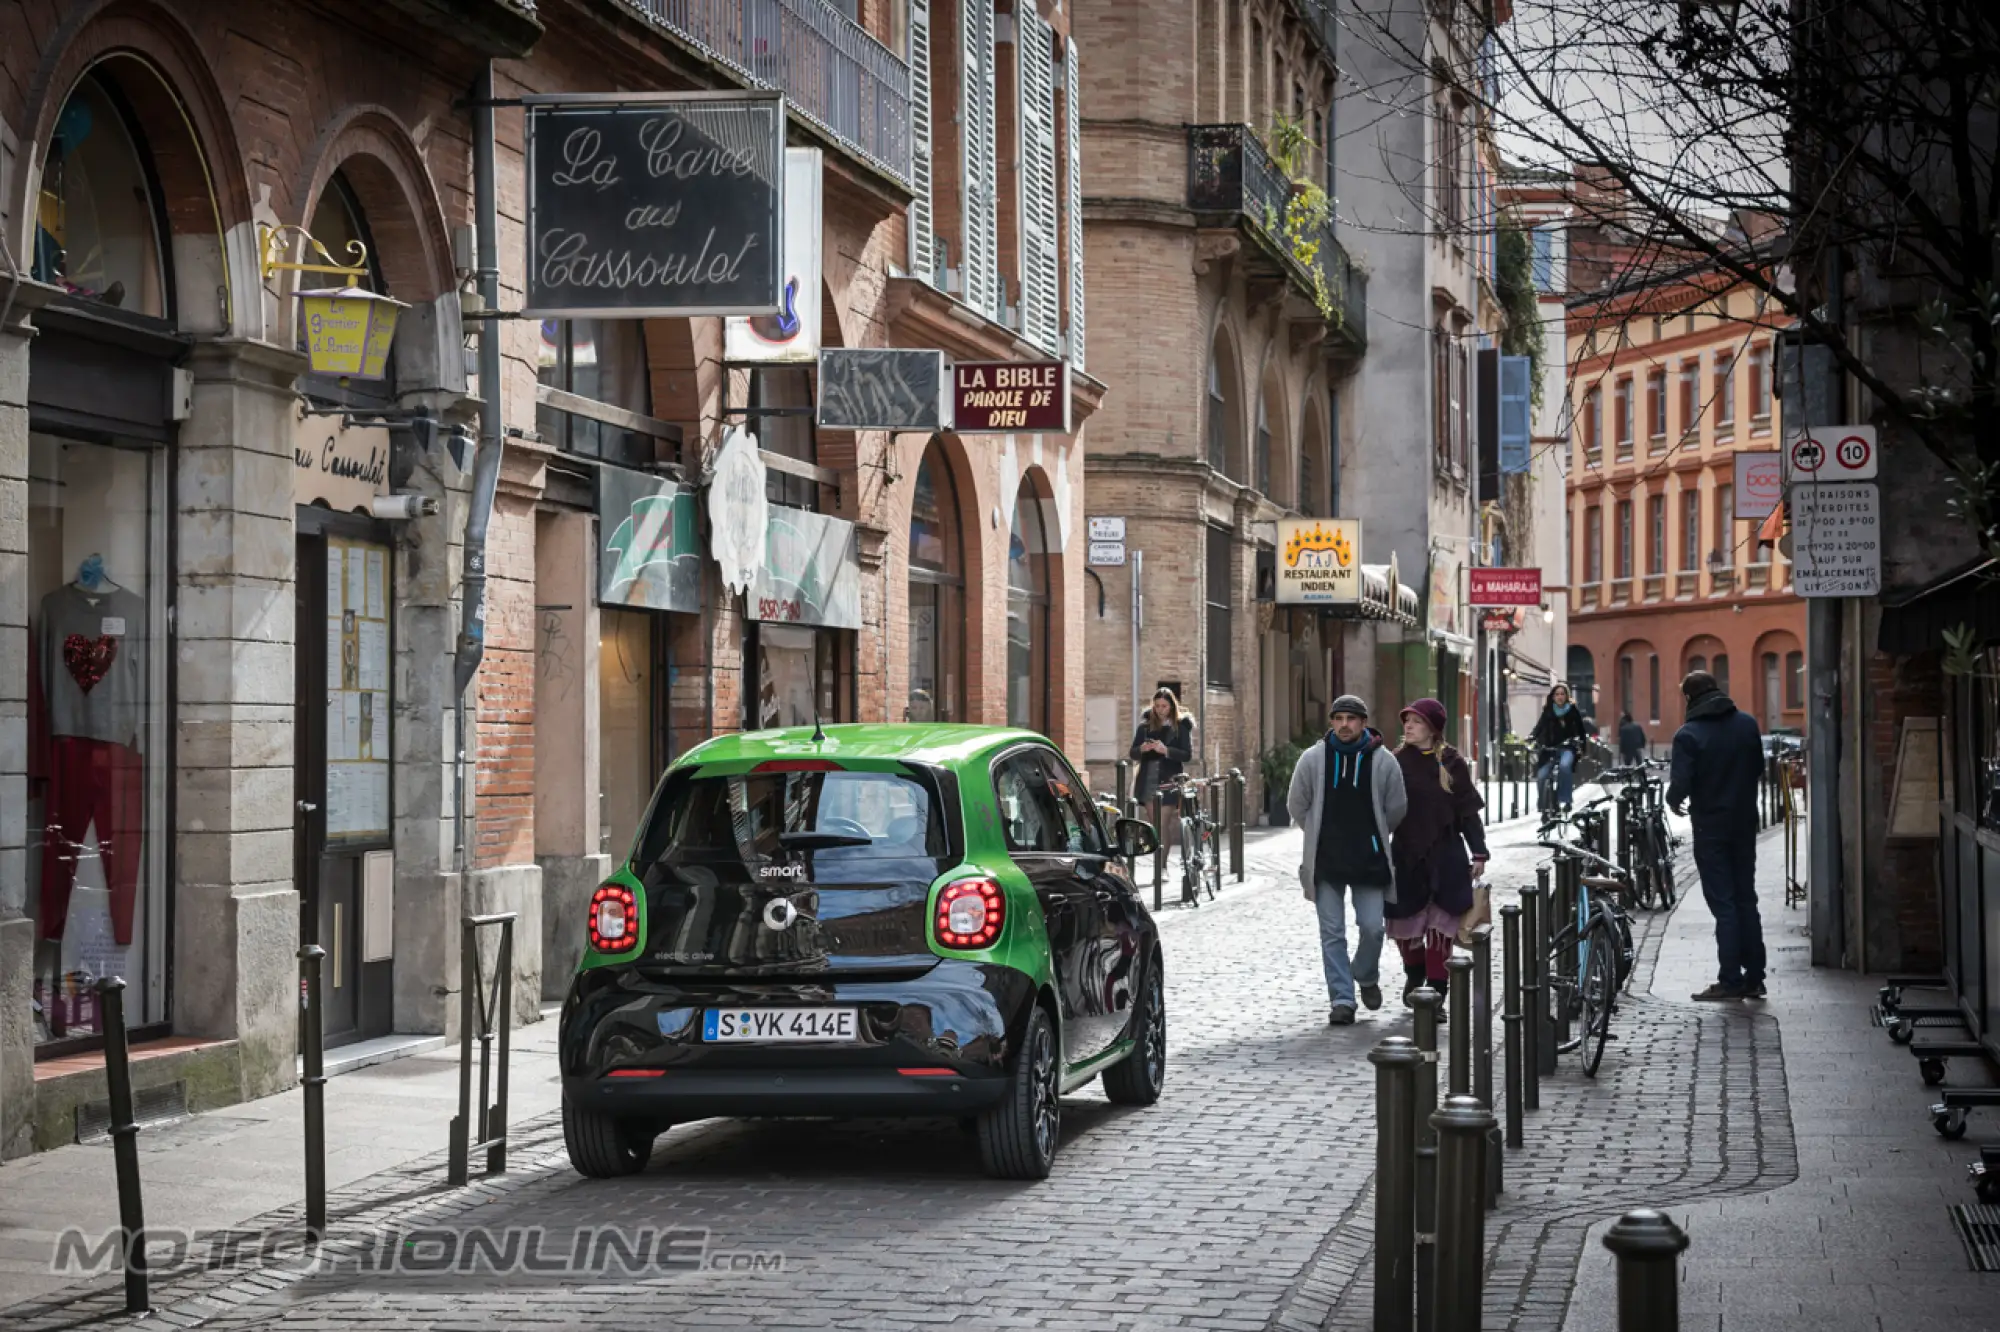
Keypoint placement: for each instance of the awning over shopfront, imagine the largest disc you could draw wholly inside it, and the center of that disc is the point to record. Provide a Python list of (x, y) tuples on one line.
[(1382, 598)]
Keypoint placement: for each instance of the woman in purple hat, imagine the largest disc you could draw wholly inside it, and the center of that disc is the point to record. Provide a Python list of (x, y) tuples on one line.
[(1439, 848)]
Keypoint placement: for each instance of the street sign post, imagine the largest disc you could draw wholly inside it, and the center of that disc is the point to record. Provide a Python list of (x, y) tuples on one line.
[(1836, 539)]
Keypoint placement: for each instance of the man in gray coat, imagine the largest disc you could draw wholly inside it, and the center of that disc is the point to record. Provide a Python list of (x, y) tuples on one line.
[(1347, 797)]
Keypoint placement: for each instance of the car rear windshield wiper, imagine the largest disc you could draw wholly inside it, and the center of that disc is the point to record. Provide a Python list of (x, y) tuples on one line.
[(822, 840)]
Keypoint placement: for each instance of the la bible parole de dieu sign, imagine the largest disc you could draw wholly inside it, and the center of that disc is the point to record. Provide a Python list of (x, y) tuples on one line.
[(995, 397)]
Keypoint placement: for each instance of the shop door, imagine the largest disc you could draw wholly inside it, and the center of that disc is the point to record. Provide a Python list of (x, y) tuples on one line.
[(341, 782)]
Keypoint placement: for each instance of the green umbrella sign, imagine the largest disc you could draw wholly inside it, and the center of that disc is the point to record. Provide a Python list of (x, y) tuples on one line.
[(648, 554)]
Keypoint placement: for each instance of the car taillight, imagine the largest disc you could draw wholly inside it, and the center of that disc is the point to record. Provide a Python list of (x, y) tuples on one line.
[(614, 919), (969, 913)]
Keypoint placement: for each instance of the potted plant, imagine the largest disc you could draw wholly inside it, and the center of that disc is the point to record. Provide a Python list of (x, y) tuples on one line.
[(1275, 766)]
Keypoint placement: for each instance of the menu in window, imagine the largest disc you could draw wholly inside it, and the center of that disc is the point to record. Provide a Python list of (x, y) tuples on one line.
[(357, 699)]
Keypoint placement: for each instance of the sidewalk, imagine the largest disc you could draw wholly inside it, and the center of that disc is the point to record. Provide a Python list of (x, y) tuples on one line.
[(1858, 1239), (219, 1169)]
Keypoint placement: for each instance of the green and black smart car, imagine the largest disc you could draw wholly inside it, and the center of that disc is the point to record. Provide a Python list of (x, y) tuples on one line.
[(865, 920)]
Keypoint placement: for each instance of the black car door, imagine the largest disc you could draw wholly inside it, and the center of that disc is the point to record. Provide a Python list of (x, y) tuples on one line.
[(1112, 954), (1032, 823)]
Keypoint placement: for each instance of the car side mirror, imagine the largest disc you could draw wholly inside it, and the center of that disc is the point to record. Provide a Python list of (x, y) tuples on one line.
[(1136, 838)]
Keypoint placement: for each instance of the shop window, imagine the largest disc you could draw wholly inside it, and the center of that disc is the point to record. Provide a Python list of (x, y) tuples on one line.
[(1027, 615), (798, 675), (1221, 667), (937, 596), (781, 416), (97, 746), (603, 360), (1795, 681), (97, 224)]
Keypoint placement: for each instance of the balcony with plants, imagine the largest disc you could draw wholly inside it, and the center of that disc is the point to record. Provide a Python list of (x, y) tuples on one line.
[(1236, 179), (835, 76)]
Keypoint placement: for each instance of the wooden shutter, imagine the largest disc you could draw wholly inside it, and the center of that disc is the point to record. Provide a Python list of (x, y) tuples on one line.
[(1041, 261), (1073, 115), (923, 236), (980, 244)]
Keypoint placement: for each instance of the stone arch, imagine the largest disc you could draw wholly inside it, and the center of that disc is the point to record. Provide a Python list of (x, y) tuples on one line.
[(1224, 376), (1037, 522), (379, 160), (155, 64), (1638, 682), (1314, 468)]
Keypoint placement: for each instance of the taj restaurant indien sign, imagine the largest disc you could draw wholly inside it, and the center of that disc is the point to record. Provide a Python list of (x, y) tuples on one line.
[(1319, 561)]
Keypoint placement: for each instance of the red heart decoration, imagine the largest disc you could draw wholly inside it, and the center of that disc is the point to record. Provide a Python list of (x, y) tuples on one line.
[(88, 660)]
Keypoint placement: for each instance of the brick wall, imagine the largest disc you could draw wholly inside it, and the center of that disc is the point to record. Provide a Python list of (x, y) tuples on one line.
[(1901, 929)]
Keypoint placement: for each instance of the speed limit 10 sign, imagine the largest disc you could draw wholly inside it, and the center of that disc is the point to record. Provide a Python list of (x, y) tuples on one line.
[(1832, 453)]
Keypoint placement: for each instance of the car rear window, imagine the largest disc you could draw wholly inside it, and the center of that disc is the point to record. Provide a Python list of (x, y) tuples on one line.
[(744, 819)]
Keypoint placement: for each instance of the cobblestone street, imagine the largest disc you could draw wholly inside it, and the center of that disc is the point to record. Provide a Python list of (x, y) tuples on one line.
[(1242, 1200)]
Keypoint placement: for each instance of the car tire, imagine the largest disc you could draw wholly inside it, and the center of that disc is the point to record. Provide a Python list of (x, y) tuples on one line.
[(1138, 1077), (1018, 1137), (605, 1146)]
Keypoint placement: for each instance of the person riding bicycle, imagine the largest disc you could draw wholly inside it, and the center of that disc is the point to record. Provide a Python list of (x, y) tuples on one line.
[(1558, 737), (1347, 797), (1163, 746)]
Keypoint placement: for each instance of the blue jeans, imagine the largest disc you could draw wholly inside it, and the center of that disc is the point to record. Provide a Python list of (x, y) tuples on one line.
[(1331, 901), (1728, 869), (1565, 767)]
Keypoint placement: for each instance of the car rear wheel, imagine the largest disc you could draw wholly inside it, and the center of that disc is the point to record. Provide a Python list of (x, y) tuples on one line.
[(1017, 1138), (1137, 1078), (605, 1146)]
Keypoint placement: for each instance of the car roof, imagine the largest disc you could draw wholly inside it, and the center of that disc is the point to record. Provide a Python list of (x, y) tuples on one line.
[(942, 744)]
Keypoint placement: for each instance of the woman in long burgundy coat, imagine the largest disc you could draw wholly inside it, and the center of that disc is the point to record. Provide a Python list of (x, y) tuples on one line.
[(1439, 848)]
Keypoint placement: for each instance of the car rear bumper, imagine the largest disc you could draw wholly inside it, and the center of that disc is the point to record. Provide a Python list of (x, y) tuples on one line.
[(937, 1044)]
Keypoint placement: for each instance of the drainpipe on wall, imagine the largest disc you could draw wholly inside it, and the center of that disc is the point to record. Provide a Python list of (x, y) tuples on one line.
[(492, 440)]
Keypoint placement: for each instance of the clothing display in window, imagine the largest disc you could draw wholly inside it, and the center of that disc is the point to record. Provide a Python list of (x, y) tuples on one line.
[(90, 675)]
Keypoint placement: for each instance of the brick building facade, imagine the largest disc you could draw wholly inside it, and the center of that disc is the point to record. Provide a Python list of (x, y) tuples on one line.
[(1229, 365), (1668, 571), (288, 734)]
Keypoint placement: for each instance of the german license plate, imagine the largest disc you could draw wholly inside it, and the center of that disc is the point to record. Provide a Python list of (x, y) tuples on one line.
[(775, 1025)]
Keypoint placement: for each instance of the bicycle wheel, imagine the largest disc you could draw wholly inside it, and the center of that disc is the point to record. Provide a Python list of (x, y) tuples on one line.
[(1663, 863), (1212, 859), (1597, 985), (1642, 868), (1190, 863)]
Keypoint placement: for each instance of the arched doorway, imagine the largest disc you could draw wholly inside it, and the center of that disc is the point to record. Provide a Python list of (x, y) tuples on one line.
[(98, 224), (1028, 614), (937, 595), (1583, 677), (1221, 411)]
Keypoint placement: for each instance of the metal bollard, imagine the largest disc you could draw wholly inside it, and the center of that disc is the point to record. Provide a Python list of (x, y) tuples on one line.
[(1159, 851), (1482, 1051), (124, 1142), (1215, 814), (312, 1084), (1461, 1127), (1531, 995), (1396, 1060), (1458, 995), (1647, 1244), (1122, 790), (1425, 1003), (1236, 823), (1510, 1014)]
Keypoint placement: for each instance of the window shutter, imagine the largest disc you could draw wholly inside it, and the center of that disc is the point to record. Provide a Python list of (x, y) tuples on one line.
[(1041, 262), (1073, 114), (980, 243), (923, 236), (1516, 395)]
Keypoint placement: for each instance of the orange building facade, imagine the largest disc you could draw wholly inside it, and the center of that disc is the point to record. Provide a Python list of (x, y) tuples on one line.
[(1667, 571)]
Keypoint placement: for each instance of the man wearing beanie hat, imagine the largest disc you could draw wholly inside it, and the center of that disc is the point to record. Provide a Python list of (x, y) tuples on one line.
[(1347, 797)]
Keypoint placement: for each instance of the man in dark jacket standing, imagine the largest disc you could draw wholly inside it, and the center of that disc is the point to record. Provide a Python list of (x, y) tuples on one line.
[(1718, 758)]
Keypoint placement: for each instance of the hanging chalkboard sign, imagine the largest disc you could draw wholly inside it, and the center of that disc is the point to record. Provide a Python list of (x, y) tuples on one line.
[(662, 204)]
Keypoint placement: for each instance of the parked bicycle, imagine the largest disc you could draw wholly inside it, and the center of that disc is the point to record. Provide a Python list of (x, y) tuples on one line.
[(1591, 954), (1200, 835), (1650, 843)]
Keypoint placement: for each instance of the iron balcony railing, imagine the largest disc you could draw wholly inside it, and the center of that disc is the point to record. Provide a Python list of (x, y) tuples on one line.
[(1229, 172), (831, 71)]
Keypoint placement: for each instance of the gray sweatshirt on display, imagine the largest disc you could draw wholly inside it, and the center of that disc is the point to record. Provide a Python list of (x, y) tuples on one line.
[(99, 639)]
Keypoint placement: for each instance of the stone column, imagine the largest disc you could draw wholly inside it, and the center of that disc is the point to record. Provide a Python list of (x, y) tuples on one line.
[(236, 907), (17, 932), (567, 768)]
